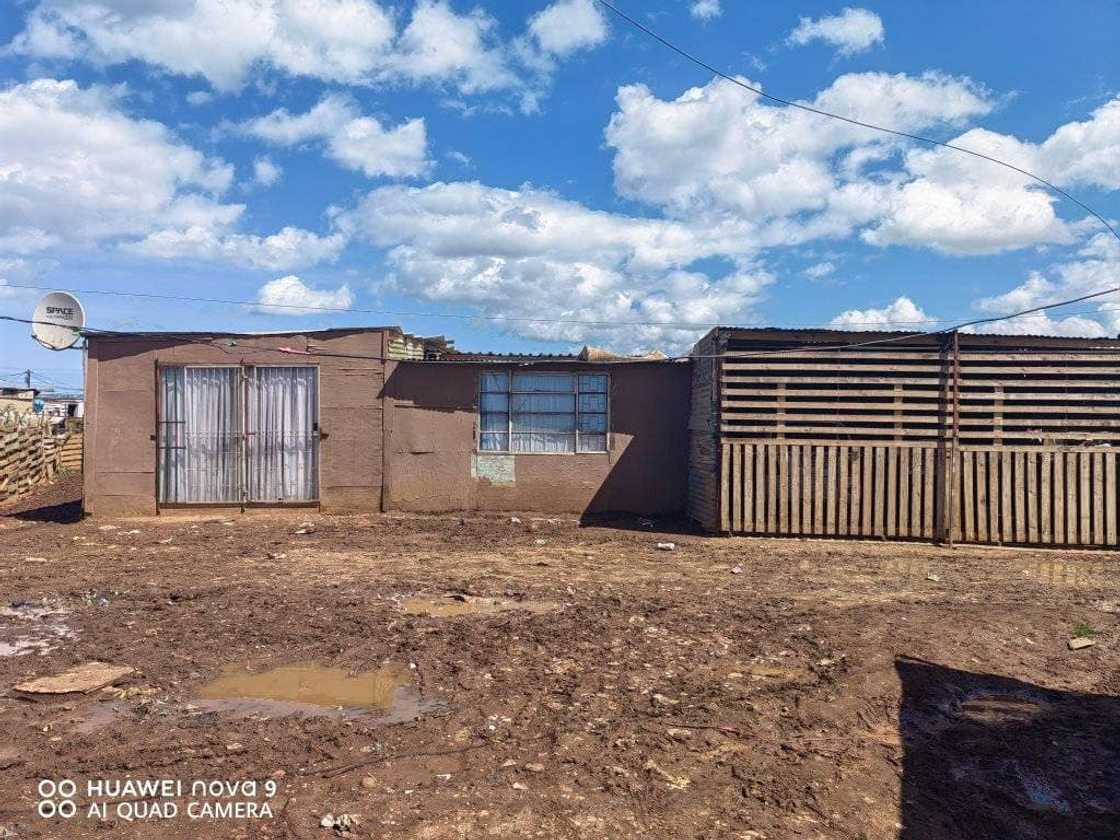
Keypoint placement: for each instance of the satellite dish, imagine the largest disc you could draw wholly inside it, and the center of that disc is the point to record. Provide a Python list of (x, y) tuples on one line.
[(58, 320)]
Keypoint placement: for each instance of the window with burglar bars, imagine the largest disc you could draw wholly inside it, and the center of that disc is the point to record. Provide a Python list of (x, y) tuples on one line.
[(543, 412)]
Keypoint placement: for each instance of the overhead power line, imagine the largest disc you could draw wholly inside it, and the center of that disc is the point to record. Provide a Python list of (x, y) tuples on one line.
[(906, 336), (699, 62), (616, 324)]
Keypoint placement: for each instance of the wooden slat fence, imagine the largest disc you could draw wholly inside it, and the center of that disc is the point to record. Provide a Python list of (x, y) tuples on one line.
[(31, 454), (939, 441)]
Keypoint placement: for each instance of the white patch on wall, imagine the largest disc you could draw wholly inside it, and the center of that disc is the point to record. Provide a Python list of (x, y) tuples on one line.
[(497, 469)]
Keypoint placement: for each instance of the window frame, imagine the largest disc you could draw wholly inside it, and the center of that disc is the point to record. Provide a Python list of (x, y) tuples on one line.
[(575, 413)]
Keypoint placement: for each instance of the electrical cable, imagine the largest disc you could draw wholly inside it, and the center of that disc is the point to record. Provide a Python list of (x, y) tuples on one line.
[(906, 336), (820, 112)]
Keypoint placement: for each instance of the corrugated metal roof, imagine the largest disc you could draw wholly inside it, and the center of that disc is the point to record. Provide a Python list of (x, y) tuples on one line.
[(812, 335), (466, 356)]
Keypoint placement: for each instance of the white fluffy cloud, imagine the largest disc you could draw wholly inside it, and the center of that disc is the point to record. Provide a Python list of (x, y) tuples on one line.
[(765, 161), (1095, 268), (16, 271), (800, 176), (266, 173), (818, 271), (705, 9), (853, 30), (75, 167), (567, 26), (350, 139), (963, 205), (356, 42), (519, 253), (902, 314), (291, 296), (288, 249), (334, 40)]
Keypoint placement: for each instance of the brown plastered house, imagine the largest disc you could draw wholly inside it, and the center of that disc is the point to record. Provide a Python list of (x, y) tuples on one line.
[(373, 419)]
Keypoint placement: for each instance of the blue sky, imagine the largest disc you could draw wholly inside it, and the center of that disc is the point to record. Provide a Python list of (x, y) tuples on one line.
[(440, 161)]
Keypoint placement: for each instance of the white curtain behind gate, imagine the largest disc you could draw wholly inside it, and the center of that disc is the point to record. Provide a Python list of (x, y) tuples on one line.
[(200, 457), (283, 444)]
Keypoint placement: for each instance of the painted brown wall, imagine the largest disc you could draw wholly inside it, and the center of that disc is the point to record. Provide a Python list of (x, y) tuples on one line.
[(431, 412), (119, 475)]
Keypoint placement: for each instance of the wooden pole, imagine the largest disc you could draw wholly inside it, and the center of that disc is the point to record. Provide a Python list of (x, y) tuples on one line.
[(954, 440)]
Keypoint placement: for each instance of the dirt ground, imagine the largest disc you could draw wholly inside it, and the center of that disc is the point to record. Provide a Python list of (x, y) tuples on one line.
[(578, 683)]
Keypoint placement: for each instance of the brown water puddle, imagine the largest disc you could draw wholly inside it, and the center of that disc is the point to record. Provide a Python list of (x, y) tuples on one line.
[(450, 606), (311, 690)]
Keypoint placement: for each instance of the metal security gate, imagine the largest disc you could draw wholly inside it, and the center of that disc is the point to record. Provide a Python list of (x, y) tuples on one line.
[(969, 438), (238, 434)]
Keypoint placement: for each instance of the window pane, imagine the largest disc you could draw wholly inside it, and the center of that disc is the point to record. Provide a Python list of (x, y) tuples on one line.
[(493, 442), (592, 402), (494, 402), (495, 422), (593, 382), (544, 402), (495, 381), (554, 382), (592, 443), (542, 442), (593, 423), (544, 422)]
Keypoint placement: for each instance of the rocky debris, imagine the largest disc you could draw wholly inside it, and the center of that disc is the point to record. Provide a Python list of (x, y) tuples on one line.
[(369, 783), (343, 824), (675, 782), (89, 676), (107, 528), (534, 767), (1080, 642), (130, 692)]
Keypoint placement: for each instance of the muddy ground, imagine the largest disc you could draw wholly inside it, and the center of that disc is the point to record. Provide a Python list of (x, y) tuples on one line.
[(580, 682)]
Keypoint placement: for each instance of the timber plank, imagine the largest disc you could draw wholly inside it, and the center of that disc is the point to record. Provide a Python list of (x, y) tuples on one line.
[(880, 498), (1097, 461), (968, 520)]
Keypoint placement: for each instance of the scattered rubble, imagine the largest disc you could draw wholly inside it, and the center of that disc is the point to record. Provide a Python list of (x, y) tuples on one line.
[(87, 677)]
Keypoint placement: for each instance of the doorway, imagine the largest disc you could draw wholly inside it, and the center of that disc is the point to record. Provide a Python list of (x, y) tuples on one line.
[(238, 434)]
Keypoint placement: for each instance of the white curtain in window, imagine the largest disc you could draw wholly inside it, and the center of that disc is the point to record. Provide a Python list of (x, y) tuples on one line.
[(283, 444), (200, 442)]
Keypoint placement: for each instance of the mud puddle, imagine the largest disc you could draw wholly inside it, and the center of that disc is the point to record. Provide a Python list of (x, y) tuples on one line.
[(450, 606), (27, 628), (387, 694)]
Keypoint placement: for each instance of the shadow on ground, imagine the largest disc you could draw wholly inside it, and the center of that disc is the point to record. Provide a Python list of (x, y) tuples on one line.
[(58, 502), (676, 524), (992, 758)]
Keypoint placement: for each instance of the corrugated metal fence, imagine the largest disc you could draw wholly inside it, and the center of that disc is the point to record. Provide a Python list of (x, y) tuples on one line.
[(939, 442)]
